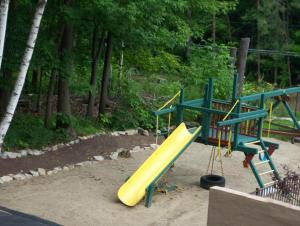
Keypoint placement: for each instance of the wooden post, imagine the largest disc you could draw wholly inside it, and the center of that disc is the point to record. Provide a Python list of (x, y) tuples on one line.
[(242, 60)]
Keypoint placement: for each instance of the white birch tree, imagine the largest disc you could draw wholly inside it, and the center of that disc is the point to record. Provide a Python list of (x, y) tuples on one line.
[(11, 107), (3, 21)]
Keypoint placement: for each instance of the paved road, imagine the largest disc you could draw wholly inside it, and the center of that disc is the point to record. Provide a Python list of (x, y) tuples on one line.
[(13, 218)]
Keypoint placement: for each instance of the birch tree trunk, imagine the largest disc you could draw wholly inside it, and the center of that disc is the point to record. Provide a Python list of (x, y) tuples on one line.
[(3, 21), (12, 104)]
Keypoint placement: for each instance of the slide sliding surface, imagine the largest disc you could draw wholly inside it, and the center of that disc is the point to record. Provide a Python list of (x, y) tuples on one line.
[(134, 189)]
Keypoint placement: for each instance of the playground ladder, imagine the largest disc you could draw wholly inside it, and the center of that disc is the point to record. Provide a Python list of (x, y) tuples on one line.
[(267, 160)]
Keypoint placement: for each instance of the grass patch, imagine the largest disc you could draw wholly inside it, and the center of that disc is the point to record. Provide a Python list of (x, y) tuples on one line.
[(28, 131)]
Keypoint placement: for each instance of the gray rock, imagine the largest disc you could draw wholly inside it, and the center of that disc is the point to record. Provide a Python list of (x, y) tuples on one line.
[(41, 171), (87, 163), (50, 172), (114, 134), (1, 181), (34, 173), (72, 142), (143, 132), (11, 155), (120, 150), (19, 176), (131, 132), (23, 153), (147, 148), (28, 176), (136, 149), (98, 158), (154, 146), (6, 179), (3, 155), (71, 166), (79, 164), (122, 133), (57, 169), (114, 155), (54, 148), (65, 168), (35, 152), (60, 145), (125, 154)]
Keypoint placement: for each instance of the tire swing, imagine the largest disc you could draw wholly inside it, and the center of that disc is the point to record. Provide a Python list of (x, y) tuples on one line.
[(209, 180)]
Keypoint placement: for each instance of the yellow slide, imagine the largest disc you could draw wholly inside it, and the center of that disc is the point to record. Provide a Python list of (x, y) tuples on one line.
[(134, 189)]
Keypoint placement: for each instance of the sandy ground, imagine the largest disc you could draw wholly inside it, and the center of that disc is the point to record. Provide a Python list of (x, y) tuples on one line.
[(87, 196)]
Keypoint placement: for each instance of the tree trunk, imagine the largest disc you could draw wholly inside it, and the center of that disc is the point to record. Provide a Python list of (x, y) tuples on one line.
[(258, 57), (214, 28), (36, 74), (276, 75), (39, 90), (233, 52), (49, 106), (289, 70), (106, 75), (5, 91), (242, 61), (121, 61), (287, 42), (188, 48), (229, 28), (11, 107), (3, 21), (97, 48), (63, 101)]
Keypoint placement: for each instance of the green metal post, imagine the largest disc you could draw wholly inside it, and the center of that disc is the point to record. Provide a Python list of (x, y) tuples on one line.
[(149, 195), (271, 163), (179, 116), (207, 115), (260, 121), (291, 113), (237, 126)]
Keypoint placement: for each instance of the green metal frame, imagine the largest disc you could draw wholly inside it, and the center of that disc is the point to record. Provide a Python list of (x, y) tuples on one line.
[(205, 106)]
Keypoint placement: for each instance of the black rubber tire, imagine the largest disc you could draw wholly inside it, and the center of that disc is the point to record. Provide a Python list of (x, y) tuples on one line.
[(296, 140), (208, 181)]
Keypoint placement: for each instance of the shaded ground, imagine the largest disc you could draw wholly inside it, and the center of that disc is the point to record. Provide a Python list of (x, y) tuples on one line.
[(13, 218), (85, 150), (88, 195)]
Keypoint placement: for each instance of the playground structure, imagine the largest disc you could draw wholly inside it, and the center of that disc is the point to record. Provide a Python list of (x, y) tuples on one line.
[(236, 123)]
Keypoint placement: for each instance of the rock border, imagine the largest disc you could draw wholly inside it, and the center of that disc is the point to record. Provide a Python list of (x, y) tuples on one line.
[(96, 159), (35, 152)]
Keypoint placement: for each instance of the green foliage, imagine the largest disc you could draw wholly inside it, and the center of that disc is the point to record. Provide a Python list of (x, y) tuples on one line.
[(132, 110), (29, 131), (254, 87), (149, 61), (210, 61)]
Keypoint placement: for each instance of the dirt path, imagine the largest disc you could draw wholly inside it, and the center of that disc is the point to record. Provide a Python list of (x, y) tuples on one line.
[(87, 195), (85, 150)]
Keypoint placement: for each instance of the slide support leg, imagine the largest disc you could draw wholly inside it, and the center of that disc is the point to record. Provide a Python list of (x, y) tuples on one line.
[(149, 195)]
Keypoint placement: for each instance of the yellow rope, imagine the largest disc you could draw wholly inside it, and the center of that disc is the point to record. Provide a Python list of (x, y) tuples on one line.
[(220, 132), (247, 124), (169, 122), (156, 137), (270, 118), (229, 151), (169, 101), (157, 117), (226, 116)]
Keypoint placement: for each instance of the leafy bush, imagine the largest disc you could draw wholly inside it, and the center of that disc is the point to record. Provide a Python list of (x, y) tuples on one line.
[(210, 61), (29, 131)]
